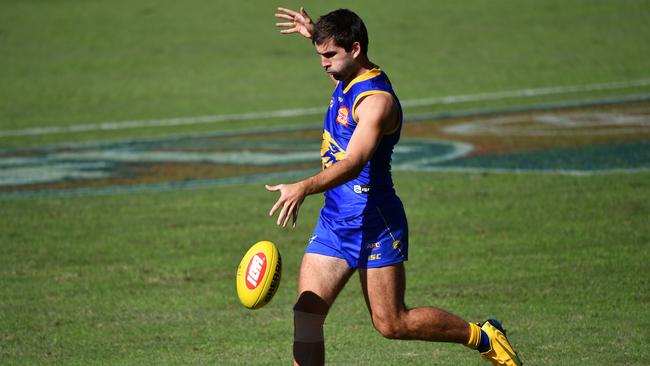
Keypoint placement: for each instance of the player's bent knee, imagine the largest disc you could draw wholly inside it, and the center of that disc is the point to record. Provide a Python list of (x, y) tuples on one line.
[(308, 327), (389, 327), (389, 331), (309, 302)]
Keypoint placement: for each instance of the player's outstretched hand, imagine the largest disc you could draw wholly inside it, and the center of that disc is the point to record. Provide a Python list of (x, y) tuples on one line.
[(291, 197), (298, 22)]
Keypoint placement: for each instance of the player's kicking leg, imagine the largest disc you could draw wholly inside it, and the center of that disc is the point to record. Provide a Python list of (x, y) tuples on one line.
[(384, 291), (320, 280)]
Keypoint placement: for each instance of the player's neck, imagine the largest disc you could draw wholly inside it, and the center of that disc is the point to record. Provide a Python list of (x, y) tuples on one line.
[(364, 66)]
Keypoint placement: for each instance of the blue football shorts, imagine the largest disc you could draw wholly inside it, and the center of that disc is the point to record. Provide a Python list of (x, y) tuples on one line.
[(377, 238)]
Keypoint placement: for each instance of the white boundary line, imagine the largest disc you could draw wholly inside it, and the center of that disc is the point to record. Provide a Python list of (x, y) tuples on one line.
[(220, 118), (524, 93)]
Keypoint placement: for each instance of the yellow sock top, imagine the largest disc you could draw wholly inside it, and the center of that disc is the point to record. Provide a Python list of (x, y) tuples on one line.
[(474, 336)]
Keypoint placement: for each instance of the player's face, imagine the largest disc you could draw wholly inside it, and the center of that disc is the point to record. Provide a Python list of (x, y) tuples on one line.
[(335, 60)]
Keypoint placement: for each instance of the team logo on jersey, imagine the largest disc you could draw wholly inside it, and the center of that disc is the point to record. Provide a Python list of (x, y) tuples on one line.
[(372, 246), (342, 116), (330, 151)]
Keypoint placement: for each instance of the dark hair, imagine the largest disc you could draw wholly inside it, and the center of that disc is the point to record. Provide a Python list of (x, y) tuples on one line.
[(344, 27)]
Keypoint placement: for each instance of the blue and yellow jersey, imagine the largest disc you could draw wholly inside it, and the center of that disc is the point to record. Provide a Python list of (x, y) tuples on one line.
[(374, 186)]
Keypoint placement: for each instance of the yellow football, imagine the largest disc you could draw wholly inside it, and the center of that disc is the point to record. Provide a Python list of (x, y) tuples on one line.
[(258, 275)]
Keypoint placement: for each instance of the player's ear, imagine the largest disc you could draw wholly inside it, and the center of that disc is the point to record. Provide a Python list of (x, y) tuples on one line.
[(356, 49)]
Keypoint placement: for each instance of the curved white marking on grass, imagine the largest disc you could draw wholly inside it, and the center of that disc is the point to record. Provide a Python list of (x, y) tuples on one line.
[(96, 164), (52, 172), (458, 149), (551, 124), (53, 165), (180, 121)]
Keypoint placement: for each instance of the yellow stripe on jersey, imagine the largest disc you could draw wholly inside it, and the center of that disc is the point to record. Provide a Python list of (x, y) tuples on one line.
[(365, 76)]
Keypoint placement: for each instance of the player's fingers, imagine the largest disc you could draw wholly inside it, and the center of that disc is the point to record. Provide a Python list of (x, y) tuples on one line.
[(295, 214), (295, 218), (285, 24), (303, 12), (282, 215), (283, 16), (275, 207), (288, 11), (289, 31), (272, 188), (289, 214)]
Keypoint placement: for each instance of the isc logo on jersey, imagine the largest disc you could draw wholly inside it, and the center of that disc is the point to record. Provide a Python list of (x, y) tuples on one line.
[(330, 151), (258, 275)]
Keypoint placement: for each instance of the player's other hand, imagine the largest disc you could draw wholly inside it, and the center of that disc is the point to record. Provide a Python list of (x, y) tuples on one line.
[(295, 22), (291, 197)]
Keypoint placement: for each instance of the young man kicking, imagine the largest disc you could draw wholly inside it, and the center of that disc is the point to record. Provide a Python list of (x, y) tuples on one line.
[(362, 225)]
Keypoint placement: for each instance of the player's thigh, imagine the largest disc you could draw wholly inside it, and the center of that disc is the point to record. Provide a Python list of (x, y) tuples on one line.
[(384, 289), (320, 280)]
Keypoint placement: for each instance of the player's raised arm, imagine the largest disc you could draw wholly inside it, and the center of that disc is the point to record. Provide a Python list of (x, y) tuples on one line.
[(295, 22)]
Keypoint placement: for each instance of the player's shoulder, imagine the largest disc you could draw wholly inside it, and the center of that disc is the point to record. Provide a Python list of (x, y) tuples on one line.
[(377, 99), (376, 103)]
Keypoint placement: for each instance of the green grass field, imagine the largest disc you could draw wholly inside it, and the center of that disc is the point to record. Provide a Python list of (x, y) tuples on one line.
[(148, 278)]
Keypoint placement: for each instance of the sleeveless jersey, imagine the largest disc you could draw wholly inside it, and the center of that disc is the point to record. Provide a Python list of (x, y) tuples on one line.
[(374, 186)]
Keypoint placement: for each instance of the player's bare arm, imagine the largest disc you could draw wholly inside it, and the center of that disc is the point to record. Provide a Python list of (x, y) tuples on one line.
[(377, 115), (295, 22)]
